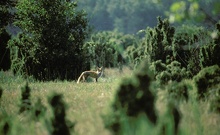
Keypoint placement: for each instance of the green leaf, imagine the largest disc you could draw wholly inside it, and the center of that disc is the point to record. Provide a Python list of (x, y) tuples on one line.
[(178, 6), (216, 9)]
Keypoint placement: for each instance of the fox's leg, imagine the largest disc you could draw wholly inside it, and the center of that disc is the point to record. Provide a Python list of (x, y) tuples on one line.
[(96, 79), (84, 78)]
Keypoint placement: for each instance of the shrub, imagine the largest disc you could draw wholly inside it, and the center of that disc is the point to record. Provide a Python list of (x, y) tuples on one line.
[(206, 78), (133, 98), (161, 38), (209, 54), (38, 109), (100, 52), (187, 41), (25, 98), (107, 48), (59, 111), (157, 42), (178, 91), (171, 72), (5, 126)]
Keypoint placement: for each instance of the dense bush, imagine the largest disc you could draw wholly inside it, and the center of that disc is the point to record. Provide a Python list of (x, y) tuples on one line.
[(170, 72), (209, 54), (159, 40), (178, 91), (187, 41), (50, 44), (107, 48), (156, 44), (190, 45), (207, 78)]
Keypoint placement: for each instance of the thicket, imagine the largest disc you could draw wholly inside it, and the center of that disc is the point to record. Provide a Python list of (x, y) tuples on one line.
[(49, 45), (169, 72), (207, 79), (209, 53), (108, 48), (191, 46), (173, 56)]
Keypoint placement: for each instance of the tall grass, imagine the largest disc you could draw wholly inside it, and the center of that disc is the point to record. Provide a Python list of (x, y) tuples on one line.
[(87, 103)]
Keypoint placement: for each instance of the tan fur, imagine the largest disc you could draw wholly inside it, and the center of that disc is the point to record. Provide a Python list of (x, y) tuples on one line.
[(93, 74)]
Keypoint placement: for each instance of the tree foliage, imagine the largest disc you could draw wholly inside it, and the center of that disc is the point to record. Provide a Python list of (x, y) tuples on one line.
[(6, 7), (129, 16), (50, 43), (196, 11), (5, 12), (207, 78), (209, 54), (107, 48), (169, 72), (156, 45)]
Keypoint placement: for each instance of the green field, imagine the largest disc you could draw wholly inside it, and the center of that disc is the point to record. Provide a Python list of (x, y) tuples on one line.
[(86, 103)]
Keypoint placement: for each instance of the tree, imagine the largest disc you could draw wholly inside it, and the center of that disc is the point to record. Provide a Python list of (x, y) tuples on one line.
[(98, 15), (130, 20), (50, 44), (6, 18), (5, 13)]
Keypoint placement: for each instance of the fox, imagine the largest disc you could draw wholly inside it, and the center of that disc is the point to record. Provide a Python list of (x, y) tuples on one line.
[(94, 74)]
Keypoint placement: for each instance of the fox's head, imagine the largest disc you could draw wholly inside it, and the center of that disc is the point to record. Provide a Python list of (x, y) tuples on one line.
[(99, 69)]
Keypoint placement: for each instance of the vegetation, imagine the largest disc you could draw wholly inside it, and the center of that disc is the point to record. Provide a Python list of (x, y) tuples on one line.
[(118, 14), (51, 39), (89, 103), (159, 77)]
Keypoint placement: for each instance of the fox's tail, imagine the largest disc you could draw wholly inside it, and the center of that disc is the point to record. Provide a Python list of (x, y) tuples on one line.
[(80, 78)]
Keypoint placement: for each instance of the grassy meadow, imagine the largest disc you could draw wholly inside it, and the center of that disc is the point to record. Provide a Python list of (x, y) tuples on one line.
[(86, 103)]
